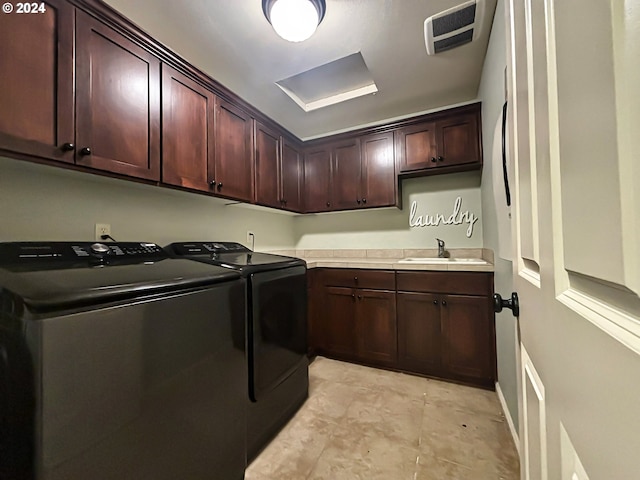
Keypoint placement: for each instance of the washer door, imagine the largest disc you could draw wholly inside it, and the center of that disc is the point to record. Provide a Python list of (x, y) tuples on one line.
[(277, 327), (152, 389)]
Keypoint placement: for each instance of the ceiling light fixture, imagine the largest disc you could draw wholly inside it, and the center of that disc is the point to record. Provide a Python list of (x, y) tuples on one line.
[(294, 20)]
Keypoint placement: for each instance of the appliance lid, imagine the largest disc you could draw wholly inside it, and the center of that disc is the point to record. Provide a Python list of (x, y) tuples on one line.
[(255, 260), (57, 275), (233, 256)]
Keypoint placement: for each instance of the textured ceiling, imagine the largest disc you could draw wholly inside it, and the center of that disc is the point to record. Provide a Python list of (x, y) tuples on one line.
[(232, 41)]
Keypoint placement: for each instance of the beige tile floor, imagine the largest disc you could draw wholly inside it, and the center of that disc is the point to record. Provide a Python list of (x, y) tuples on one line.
[(365, 423)]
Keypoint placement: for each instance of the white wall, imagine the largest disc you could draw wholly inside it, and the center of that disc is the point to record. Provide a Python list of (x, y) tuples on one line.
[(389, 228), (491, 93), (47, 203)]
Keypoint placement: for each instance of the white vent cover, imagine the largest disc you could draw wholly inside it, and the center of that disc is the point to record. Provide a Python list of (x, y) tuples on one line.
[(453, 27)]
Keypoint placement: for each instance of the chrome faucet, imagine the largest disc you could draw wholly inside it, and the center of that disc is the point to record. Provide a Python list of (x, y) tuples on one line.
[(441, 250)]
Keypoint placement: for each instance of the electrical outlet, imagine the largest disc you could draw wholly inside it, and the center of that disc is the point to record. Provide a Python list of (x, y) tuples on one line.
[(251, 239), (102, 229)]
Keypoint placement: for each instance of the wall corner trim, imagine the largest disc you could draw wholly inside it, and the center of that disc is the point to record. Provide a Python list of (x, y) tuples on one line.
[(507, 416)]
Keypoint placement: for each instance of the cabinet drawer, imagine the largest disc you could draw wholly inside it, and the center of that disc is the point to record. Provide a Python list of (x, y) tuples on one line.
[(466, 283), (359, 278)]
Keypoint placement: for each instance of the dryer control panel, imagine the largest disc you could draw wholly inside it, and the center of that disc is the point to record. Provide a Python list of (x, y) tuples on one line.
[(205, 248)]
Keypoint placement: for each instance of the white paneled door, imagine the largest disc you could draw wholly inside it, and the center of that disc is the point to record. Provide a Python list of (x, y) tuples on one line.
[(573, 81)]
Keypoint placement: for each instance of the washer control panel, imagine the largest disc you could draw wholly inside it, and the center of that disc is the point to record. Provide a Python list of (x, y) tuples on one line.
[(118, 249), (12, 253)]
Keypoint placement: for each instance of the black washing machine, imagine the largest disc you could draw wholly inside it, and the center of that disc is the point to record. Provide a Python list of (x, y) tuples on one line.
[(276, 332), (115, 366)]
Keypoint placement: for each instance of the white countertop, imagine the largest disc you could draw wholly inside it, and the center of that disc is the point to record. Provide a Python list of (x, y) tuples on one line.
[(389, 259)]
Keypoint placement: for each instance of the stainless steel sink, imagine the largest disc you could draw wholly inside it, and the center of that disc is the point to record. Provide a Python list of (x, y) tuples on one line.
[(436, 260)]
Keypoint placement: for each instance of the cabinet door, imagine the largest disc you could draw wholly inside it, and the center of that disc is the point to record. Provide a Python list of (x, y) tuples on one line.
[(468, 337), (234, 152), (419, 332), (376, 326), (378, 184), (117, 102), (458, 140), (345, 175), (291, 170), (268, 191), (416, 147), (187, 131), (339, 326), (36, 82), (317, 180)]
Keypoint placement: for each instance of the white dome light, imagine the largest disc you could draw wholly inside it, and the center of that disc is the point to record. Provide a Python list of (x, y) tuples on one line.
[(293, 20)]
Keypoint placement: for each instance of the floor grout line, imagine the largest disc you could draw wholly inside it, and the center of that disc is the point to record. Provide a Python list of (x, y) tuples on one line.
[(336, 424)]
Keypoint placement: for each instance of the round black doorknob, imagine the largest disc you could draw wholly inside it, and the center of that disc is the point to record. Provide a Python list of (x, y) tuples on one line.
[(435, 302), (433, 159), (358, 200), (364, 200), (85, 151), (212, 184), (67, 147), (359, 297), (355, 279), (328, 204), (219, 185), (444, 302), (440, 159), (513, 303), (353, 295)]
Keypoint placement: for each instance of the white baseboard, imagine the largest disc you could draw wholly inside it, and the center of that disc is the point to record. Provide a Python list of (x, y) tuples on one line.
[(507, 415)]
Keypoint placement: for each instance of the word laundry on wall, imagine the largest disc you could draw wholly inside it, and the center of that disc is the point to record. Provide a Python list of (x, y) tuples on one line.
[(456, 218)]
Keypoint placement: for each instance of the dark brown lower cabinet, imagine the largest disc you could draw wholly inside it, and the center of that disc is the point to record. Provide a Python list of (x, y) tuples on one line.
[(339, 326), (419, 333), (468, 339), (446, 325), (376, 326), (394, 320), (447, 336), (353, 315), (360, 324)]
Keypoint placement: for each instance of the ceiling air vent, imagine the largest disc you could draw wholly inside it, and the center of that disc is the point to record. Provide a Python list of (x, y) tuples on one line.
[(453, 27)]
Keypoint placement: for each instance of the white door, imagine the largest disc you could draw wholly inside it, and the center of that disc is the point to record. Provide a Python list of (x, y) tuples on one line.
[(574, 118)]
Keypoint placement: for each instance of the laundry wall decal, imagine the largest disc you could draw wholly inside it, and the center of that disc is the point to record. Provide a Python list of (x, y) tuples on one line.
[(456, 218)]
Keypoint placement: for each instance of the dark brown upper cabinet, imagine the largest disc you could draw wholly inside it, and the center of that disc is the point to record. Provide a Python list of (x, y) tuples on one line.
[(234, 157), (361, 174), (291, 175), (36, 83), (117, 102), (317, 179), (445, 142), (91, 99), (278, 170), (268, 163), (345, 174), (188, 132), (378, 185), (416, 147)]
